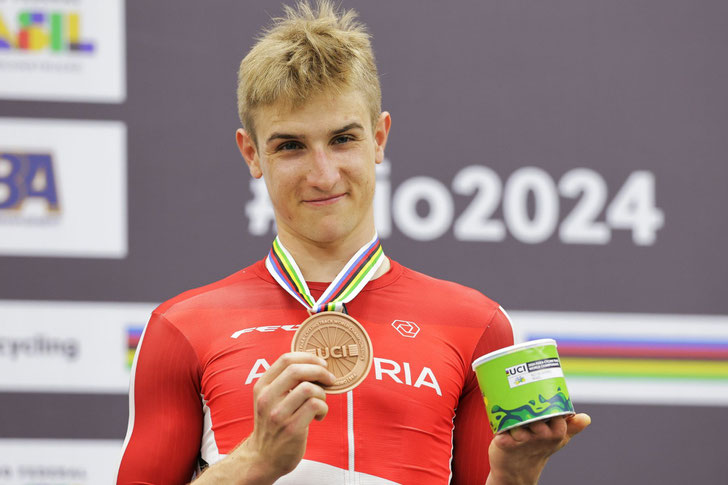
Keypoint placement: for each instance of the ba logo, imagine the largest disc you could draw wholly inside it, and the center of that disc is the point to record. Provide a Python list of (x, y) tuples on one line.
[(27, 176), (38, 31)]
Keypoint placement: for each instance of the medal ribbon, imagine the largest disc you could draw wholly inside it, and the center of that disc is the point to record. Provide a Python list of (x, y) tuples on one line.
[(347, 284)]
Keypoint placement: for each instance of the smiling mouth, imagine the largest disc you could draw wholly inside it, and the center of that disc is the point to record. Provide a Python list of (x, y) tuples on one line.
[(332, 199)]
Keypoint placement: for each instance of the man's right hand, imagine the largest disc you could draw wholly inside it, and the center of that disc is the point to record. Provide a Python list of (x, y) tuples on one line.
[(286, 398)]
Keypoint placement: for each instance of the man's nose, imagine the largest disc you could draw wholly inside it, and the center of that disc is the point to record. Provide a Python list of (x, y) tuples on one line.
[(324, 170)]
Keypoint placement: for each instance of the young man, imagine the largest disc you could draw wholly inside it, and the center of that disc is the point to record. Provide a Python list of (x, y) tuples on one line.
[(215, 386)]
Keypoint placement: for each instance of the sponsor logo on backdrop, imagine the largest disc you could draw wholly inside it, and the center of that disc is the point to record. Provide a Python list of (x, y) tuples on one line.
[(63, 188), (58, 462), (39, 346), (39, 30), (28, 187), (68, 347), (529, 200), (43, 474), (70, 50)]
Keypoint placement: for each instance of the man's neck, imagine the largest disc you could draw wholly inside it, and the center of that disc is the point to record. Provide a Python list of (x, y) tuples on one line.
[(322, 262)]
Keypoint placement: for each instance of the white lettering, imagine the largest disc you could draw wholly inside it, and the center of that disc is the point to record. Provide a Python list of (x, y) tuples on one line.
[(267, 328), (254, 372), (392, 369), (379, 371), (432, 383), (240, 332), (407, 374)]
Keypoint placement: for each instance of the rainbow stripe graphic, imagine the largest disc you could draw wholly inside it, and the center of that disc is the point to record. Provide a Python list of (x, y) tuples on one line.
[(642, 358), (134, 334)]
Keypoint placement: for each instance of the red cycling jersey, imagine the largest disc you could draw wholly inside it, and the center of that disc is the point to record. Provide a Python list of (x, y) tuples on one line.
[(418, 417)]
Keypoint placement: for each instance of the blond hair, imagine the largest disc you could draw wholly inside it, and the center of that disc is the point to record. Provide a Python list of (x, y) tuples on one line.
[(305, 53)]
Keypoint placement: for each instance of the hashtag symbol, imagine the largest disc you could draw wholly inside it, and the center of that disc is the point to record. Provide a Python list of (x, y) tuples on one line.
[(261, 218)]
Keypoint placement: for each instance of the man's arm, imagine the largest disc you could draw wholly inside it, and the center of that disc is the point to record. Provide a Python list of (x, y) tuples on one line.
[(516, 457), (472, 434), (286, 400), (165, 411)]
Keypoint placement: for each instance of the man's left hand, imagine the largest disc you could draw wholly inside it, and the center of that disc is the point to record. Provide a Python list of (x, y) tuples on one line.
[(518, 456)]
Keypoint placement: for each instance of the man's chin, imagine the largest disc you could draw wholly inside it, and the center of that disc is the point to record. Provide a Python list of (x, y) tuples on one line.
[(327, 233)]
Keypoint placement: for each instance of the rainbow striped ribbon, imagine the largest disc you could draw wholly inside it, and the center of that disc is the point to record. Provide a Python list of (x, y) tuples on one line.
[(347, 284)]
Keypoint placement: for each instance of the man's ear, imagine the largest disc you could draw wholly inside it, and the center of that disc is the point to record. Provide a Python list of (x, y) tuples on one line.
[(381, 132), (247, 148)]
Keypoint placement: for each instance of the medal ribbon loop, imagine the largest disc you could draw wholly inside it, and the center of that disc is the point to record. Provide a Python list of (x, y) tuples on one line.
[(347, 284)]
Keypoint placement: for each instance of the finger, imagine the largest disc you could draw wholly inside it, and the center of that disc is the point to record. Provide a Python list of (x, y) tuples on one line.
[(541, 430), (286, 360), (557, 426), (504, 440), (311, 409), (294, 374), (520, 434), (295, 399), (577, 423)]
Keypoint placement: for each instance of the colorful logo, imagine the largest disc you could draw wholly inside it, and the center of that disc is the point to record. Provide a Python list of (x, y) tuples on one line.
[(39, 31), (25, 177), (406, 329), (133, 335)]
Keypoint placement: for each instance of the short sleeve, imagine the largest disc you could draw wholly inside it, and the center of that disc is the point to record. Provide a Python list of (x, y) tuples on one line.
[(165, 409), (472, 434)]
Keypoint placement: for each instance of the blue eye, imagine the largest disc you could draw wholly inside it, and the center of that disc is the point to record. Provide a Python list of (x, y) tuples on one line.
[(289, 145), (342, 139)]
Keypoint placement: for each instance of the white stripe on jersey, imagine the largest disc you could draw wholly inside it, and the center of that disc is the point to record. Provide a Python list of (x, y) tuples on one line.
[(208, 446), (350, 436), (513, 328)]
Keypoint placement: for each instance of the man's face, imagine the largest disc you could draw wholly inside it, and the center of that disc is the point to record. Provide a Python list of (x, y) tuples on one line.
[(318, 164)]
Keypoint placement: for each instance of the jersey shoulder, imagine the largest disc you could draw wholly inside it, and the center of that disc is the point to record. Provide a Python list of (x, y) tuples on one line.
[(231, 288), (445, 288), (458, 298)]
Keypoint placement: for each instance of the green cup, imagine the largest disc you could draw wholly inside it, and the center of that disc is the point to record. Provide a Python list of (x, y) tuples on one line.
[(522, 383)]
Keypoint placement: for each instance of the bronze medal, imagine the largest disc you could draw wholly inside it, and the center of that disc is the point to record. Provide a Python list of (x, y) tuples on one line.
[(342, 342)]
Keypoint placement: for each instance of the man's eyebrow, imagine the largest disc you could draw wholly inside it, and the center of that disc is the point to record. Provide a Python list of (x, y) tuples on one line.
[(348, 127), (288, 136), (282, 136)]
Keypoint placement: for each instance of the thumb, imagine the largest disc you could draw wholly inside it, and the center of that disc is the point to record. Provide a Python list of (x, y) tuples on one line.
[(577, 423)]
